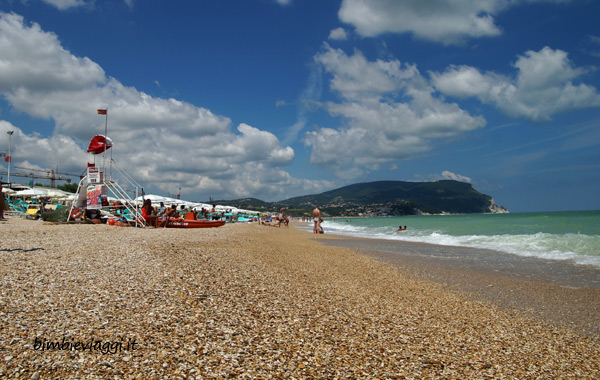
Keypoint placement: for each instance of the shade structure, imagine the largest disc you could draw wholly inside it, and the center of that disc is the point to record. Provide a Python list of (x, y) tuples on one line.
[(154, 198), (31, 193), (55, 193), (200, 206)]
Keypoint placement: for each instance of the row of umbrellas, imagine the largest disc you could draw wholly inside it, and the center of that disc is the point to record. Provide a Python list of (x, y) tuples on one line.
[(157, 199), (37, 192)]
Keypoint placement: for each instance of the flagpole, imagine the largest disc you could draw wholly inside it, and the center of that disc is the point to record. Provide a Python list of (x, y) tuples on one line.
[(105, 137), (10, 133)]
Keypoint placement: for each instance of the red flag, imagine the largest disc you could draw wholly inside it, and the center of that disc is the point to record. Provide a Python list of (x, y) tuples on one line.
[(6, 158), (102, 112)]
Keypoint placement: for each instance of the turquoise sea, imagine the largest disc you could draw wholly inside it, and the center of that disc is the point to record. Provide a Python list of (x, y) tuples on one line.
[(567, 236)]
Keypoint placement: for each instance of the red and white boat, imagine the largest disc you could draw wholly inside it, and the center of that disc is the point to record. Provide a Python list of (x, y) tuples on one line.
[(189, 223)]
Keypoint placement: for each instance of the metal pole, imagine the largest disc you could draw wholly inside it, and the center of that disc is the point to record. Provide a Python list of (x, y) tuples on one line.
[(9, 154), (105, 136)]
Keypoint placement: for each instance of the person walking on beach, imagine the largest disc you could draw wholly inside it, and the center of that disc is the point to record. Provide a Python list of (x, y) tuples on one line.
[(317, 219), (1, 202)]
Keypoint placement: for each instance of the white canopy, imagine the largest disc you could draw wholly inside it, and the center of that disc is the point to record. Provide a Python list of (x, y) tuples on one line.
[(250, 212), (200, 206), (32, 193), (55, 193), (152, 197)]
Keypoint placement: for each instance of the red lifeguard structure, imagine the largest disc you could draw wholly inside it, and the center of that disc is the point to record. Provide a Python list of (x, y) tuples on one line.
[(98, 182)]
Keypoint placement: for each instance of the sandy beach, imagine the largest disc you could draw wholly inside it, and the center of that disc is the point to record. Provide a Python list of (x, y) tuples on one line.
[(249, 301)]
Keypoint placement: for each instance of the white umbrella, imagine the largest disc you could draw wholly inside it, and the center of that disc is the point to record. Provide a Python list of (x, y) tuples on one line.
[(172, 201), (152, 197), (55, 193), (7, 190), (225, 208), (32, 193), (248, 211), (201, 206)]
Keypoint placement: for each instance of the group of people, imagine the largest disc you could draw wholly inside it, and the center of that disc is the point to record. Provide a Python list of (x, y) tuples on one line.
[(277, 220), (162, 214)]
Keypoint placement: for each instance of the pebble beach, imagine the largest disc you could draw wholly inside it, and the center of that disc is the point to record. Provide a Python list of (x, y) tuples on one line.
[(249, 301)]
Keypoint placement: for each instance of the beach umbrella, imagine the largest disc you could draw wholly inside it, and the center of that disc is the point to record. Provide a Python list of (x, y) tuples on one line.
[(201, 206), (55, 193), (32, 193), (153, 197), (248, 212)]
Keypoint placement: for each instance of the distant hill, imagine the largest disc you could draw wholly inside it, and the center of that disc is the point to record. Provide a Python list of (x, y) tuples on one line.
[(385, 198)]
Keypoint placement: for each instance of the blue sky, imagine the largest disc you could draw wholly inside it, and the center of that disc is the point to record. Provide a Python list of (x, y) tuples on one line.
[(278, 98)]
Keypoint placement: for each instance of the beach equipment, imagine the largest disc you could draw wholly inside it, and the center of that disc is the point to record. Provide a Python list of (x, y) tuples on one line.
[(154, 198), (56, 193), (99, 144), (58, 215), (186, 223), (35, 192), (95, 190)]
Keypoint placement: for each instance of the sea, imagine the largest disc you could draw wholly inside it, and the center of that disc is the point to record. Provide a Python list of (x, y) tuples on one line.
[(511, 240)]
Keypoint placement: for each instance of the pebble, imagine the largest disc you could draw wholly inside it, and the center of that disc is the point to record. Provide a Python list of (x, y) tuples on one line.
[(247, 301)]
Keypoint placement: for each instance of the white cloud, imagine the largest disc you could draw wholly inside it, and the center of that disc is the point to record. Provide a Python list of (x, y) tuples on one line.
[(392, 113), (442, 21), (338, 34), (543, 86), (64, 151), (457, 177), (67, 4), (64, 5), (445, 175), (308, 98), (592, 45), (165, 143)]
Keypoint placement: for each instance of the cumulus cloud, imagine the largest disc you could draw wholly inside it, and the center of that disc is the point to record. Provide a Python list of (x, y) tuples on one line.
[(457, 177), (442, 21), (391, 113), (31, 149), (166, 143), (66, 4), (592, 45), (338, 34), (445, 175), (447, 22), (543, 86)]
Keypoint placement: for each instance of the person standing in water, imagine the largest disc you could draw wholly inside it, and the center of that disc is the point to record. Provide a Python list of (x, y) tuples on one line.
[(316, 219)]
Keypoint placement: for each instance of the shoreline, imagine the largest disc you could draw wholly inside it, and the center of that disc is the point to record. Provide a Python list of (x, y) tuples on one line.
[(562, 293), (250, 302)]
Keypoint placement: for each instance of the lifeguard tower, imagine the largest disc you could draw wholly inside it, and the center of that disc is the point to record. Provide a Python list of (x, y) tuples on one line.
[(98, 184)]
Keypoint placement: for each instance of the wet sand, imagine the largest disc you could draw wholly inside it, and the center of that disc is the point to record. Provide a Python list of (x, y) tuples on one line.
[(559, 292)]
